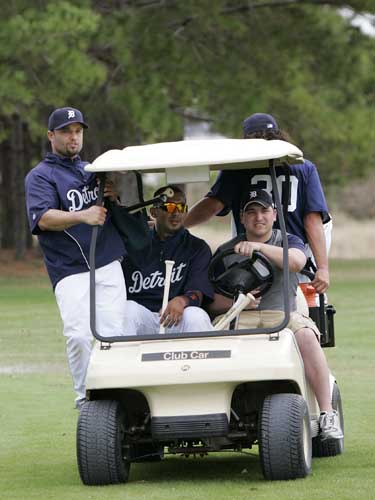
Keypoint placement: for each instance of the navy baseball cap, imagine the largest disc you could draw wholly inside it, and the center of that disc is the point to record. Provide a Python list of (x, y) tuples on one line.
[(259, 196), (259, 122), (62, 117)]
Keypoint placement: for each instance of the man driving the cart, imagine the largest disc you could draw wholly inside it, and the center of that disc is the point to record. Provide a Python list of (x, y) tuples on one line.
[(258, 216)]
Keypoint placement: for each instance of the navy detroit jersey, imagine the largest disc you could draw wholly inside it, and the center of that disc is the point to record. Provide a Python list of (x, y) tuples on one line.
[(306, 193), (144, 274), (62, 184)]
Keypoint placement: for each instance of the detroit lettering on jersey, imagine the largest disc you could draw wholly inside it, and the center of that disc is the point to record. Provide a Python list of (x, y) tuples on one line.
[(154, 280), (77, 199), (59, 183), (145, 271), (63, 184)]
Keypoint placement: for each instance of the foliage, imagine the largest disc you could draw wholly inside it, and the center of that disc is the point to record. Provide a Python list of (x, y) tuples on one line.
[(44, 60), (137, 68), (226, 63)]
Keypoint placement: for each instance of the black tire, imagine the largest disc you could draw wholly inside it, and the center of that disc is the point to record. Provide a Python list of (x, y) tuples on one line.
[(100, 437), (331, 447), (285, 437)]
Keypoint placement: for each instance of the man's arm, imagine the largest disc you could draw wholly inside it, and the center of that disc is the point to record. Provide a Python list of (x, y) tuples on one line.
[(59, 220), (175, 308), (203, 211), (196, 287), (296, 258), (316, 238), (219, 305)]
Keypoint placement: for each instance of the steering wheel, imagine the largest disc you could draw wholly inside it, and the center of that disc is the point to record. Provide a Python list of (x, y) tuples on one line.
[(243, 275)]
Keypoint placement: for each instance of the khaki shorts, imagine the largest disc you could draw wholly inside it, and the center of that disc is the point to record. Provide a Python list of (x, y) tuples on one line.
[(266, 319)]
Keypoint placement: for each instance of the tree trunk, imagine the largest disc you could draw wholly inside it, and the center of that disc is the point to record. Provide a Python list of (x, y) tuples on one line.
[(15, 153), (6, 186), (18, 166)]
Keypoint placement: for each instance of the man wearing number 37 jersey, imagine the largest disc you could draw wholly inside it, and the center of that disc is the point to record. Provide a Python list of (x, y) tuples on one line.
[(307, 208)]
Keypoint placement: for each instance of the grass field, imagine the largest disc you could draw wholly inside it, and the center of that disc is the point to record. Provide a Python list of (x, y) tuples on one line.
[(37, 419)]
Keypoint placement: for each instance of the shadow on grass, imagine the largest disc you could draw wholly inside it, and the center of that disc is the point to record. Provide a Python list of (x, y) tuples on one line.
[(223, 466), (59, 478)]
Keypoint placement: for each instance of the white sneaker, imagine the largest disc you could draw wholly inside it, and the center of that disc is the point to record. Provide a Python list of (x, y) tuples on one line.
[(330, 427), (79, 403)]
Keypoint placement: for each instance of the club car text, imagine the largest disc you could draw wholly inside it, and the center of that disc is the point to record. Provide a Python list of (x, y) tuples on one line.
[(184, 355)]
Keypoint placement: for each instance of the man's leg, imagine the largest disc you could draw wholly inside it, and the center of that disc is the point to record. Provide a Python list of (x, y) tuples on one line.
[(111, 304), (249, 319), (317, 373), (194, 319), (72, 296), (140, 320), (316, 367), (73, 299)]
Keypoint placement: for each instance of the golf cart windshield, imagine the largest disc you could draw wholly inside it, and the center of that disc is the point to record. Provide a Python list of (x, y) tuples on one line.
[(191, 161)]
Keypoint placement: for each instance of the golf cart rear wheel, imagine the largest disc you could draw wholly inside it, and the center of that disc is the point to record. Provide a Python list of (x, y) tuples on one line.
[(100, 438), (331, 447), (285, 437)]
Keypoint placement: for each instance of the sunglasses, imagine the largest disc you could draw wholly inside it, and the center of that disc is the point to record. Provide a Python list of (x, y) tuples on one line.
[(171, 207)]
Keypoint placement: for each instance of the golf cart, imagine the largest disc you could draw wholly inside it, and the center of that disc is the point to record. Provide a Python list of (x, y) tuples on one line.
[(203, 392)]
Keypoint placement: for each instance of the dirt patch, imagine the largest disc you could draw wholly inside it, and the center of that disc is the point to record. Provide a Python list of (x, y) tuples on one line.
[(25, 369), (31, 265), (352, 238)]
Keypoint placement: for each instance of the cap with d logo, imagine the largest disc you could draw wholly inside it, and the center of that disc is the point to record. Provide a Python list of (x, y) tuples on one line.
[(62, 117)]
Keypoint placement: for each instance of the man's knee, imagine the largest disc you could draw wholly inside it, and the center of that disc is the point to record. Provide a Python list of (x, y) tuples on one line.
[(138, 319), (195, 319), (306, 336), (79, 341), (132, 307)]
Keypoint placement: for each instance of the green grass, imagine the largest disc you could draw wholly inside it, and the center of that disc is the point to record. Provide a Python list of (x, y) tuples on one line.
[(37, 419)]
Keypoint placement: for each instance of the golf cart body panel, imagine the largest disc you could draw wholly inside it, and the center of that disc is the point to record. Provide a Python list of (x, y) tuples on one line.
[(198, 376), (239, 359)]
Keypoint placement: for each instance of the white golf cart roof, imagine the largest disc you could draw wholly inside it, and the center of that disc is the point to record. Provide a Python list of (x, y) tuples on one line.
[(191, 160)]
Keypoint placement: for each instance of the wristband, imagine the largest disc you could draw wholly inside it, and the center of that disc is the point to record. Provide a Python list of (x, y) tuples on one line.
[(193, 298)]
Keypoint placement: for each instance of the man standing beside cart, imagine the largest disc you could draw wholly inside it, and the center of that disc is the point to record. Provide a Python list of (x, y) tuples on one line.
[(61, 207), (258, 216)]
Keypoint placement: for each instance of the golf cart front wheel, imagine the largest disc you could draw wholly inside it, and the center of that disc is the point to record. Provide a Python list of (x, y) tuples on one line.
[(100, 440), (285, 437)]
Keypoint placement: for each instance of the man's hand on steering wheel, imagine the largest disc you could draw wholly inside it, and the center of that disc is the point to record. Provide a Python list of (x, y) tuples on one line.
[(250, 271), (247, 248)]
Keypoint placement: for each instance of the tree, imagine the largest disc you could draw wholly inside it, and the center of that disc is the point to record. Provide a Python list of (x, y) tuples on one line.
[(44, 61), (227, 60), (137, 67)]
